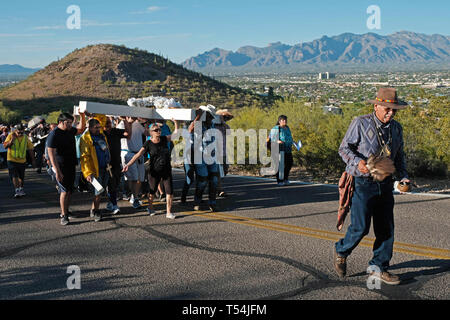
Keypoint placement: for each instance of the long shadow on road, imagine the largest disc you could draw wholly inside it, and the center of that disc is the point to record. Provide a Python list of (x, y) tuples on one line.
[(50, 282)]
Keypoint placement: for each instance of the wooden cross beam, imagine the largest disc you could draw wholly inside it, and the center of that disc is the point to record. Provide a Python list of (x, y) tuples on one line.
[(127, 111)]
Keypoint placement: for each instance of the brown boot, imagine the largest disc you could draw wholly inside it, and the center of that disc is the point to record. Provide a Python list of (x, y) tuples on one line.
[(340, 264), (386, 277)]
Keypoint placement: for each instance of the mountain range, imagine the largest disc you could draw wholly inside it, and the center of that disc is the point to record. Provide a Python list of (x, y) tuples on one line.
[(346, 52), (16, 69)]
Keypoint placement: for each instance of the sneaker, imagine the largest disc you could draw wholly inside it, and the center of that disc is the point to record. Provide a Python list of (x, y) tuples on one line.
[(21, 192), (151, 212), (222, 194), (136, 204), (91, 214), (212, 208), (131, 199), (16, 193), (386, 277), (97, 216), (170, 215), (196, 208), (340, 264), (280, 184), (64, 220), (286, 182), (115, 209)]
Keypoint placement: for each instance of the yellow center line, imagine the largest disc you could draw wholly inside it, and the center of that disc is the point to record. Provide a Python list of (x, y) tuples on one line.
[(417, 250), (340, 235)]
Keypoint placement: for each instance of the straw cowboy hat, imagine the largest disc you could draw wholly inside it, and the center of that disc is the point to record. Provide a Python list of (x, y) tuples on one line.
[(225, 114), (387, 97)]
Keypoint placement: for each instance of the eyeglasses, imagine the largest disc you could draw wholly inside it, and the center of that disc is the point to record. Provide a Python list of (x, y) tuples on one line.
[(156, 130)]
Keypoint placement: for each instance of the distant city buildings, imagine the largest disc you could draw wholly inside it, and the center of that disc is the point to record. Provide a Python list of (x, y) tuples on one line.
[(7, 83), (347, 88), (326, 76), (332, 109)]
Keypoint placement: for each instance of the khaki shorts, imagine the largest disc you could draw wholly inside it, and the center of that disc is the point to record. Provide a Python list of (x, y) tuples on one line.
[(136, 172)]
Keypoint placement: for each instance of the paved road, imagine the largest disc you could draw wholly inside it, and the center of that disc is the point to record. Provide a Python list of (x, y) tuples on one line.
[(266, 242)]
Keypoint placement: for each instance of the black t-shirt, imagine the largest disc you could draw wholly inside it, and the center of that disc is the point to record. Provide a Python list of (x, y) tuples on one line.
[(114, 137), (41, 132), (159, 157), (64, 143)]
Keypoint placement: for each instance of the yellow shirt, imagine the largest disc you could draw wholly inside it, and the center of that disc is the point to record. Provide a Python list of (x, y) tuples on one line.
[(17, 152)]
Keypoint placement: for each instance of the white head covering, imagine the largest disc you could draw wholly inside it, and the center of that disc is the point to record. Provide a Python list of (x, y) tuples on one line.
[(209, 108), (157, 102)]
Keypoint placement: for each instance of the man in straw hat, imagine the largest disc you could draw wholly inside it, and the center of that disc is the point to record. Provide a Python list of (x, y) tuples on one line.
[(206, 167), (375, 134)]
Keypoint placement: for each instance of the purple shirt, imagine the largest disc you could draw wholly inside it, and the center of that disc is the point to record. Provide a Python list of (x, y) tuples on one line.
[(361, 141)]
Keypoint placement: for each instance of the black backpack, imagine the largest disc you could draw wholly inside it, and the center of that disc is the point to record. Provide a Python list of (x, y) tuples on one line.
[(160, 161)]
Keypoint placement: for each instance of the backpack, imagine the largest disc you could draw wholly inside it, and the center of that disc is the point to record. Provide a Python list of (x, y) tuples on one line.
[(160, 162)]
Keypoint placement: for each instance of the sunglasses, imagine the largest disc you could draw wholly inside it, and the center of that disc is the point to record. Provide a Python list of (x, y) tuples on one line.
[(156, 130)]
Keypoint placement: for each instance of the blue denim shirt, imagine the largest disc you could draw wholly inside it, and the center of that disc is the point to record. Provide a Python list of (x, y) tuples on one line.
[(361, 141), (205, 140)]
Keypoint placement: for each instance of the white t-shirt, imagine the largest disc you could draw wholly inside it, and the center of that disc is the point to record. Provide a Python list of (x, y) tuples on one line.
[(134, 144)]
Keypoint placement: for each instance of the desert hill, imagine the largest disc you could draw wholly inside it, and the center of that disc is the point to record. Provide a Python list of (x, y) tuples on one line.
[(110, 73)]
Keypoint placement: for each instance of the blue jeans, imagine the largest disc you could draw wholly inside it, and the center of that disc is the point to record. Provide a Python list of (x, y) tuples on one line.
[(189, 171), (103, 179), (371, 200), (206, 174)]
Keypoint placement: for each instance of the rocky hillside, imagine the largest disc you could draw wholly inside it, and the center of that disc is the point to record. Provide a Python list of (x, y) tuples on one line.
[(109, 73)]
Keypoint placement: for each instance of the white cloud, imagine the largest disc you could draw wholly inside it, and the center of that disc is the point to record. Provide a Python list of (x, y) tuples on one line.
[(149, 10), (154, 8), (16, 35), (91, 23), (138, 23), (49, 27)]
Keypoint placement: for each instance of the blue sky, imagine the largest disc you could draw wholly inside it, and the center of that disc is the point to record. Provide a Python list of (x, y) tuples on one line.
[(34, 33)]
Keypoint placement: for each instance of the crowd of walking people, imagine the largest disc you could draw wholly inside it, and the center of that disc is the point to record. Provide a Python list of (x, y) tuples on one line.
[(136, 153), (111, 155)]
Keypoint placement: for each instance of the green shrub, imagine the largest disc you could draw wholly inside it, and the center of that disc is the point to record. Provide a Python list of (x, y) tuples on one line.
[(426, 134)]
